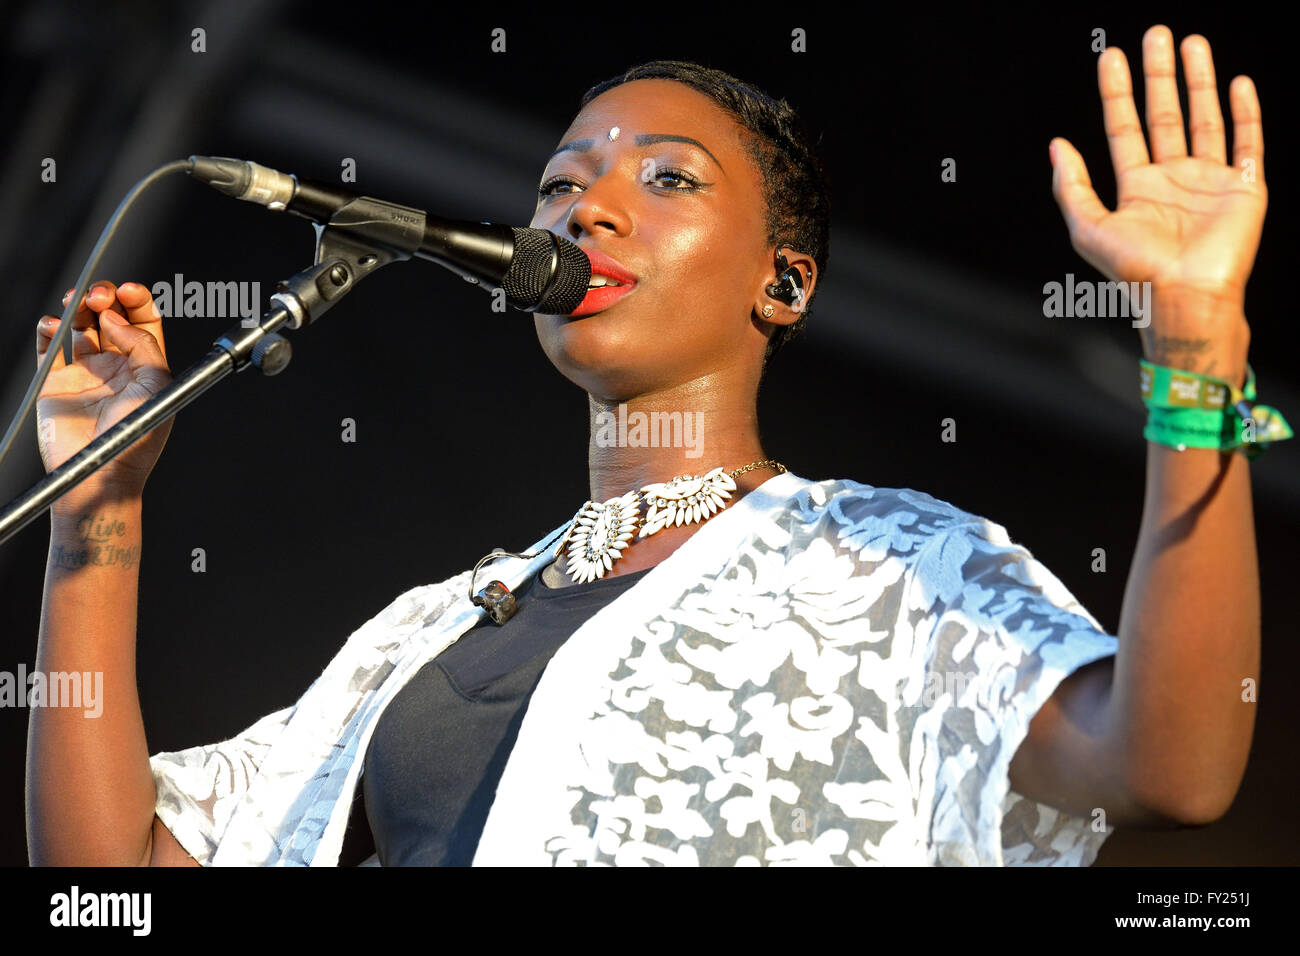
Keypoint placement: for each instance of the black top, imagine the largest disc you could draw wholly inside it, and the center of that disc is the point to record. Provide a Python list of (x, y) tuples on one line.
[(439, 749)]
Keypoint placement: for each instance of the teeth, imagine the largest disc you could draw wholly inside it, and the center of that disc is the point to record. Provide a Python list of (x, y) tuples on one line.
[(598, 282)]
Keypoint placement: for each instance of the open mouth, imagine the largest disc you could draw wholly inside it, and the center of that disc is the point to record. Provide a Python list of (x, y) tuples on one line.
[(610, 281), (600, 297)]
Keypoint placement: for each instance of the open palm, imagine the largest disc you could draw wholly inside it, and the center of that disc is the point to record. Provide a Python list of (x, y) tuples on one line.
[(1183, 222)]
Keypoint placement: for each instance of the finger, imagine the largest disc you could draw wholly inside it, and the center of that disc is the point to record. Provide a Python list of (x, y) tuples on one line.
[(1247, 127), (144, 356), (142, 312), (45, 330), (1164, 115), (107, 319), (1208, 135), (1123, 131), (101, 295), (48, 327), (83, 343), (1074, 194)]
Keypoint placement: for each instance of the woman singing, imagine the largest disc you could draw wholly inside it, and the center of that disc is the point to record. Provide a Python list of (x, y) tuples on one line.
[(712, 660)]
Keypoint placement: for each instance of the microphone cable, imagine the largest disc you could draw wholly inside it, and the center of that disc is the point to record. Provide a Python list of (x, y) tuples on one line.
[(63, 338)]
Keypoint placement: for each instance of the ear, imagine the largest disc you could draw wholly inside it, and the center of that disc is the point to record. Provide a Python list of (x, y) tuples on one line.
[(783, 312)]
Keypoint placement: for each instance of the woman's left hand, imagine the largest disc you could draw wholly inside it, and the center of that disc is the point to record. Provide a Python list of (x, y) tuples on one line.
[(1189, 225)]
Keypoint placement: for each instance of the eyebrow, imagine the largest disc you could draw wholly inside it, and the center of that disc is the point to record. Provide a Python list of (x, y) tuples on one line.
[(645, 139)]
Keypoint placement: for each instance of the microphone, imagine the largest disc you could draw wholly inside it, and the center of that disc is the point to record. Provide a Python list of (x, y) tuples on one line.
[(537, 270)]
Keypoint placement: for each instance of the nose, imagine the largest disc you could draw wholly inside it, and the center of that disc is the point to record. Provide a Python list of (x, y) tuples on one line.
[(597, 209)]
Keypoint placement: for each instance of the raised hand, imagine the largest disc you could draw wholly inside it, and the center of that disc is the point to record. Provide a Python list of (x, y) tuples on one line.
[(1189, 225)]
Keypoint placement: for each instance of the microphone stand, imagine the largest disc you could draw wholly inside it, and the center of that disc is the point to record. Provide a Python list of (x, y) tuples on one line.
[(342, 260)]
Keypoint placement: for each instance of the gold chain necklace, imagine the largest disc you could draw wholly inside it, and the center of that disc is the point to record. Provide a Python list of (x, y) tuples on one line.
[(599, 532)]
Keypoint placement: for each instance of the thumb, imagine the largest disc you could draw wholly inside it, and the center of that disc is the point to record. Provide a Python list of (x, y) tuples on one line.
[(1073, 189), (140, 348)]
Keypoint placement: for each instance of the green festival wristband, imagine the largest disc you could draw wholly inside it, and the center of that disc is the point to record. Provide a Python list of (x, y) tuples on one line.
[(1187, 410)]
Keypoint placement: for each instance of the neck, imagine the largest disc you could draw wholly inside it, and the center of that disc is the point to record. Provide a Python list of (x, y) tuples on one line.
[(688, 429)]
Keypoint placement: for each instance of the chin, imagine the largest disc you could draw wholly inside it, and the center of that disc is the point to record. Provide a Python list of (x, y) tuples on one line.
[(602, 369), (593, 351)]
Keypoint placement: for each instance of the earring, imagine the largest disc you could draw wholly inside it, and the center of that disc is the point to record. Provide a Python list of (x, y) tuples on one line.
[(768, 311)]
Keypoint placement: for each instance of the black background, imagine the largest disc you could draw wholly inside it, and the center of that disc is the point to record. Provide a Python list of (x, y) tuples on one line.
[(468, 439)]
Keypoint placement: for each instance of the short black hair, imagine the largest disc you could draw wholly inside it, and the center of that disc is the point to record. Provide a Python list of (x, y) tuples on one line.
[(796, 185)]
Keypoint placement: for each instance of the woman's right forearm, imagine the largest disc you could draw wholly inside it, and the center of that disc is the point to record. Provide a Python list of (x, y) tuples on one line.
[(90, 790)]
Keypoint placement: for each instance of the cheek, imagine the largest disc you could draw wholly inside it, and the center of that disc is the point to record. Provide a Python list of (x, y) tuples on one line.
[(699, 266)]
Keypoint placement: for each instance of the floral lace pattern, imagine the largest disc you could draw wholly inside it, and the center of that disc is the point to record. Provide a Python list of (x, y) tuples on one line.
[(825, 673)]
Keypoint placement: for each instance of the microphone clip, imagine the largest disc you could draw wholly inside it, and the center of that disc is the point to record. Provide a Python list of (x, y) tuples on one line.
[(341, 261)]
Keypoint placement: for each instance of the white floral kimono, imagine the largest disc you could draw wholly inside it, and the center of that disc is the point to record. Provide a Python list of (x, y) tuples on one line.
[(824, 673)]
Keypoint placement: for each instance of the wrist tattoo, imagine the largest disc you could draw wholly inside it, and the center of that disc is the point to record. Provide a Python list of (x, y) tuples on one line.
[(1176, 352), (97, 545)]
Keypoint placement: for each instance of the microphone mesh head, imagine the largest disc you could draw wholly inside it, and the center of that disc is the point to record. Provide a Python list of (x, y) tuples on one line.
[(533, 267)]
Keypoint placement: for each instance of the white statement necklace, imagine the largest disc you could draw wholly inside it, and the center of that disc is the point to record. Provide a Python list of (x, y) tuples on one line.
[(599, 532)]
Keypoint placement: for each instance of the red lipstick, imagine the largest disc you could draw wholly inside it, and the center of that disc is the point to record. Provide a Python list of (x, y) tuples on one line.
[(602, 297)]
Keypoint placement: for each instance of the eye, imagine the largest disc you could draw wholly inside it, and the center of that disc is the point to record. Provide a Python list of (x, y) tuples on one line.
[(544, 190), (685, 182), (689, 182)]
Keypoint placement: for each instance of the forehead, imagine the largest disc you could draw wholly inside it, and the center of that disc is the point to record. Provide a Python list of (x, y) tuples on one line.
[(660, 106)]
